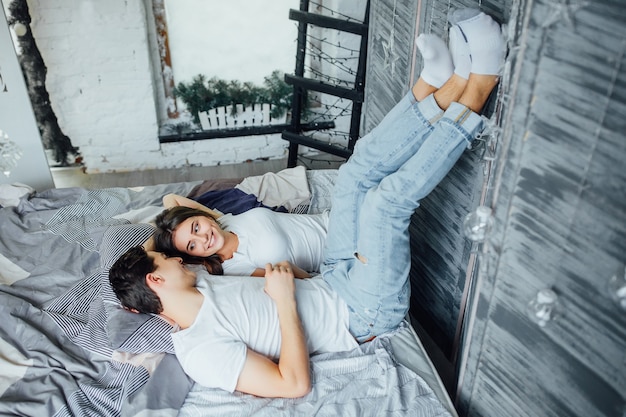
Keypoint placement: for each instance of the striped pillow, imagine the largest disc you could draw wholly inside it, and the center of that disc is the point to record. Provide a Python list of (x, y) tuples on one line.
[(127, 331)]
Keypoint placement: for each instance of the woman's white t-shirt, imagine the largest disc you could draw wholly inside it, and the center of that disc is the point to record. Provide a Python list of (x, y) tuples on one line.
[(268, 236), (236, 314)]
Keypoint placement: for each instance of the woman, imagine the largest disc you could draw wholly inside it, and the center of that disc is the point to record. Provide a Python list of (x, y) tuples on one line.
[(240, 244)]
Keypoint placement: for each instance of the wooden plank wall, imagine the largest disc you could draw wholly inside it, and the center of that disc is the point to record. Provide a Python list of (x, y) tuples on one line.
[(558, 190), (389, 57), (441, 254), (560, 203)]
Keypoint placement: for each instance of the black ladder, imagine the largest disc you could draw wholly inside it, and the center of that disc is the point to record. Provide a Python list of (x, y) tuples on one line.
[(302, 85)]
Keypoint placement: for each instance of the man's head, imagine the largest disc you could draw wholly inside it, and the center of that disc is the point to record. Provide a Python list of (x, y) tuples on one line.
[(128, 279), (142, 280)]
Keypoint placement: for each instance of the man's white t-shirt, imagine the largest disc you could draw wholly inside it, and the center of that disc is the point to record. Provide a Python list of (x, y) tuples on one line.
[(268, 236), (236, 314)]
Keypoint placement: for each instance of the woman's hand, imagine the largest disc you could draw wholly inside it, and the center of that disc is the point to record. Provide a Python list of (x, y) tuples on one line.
[(297, 271)]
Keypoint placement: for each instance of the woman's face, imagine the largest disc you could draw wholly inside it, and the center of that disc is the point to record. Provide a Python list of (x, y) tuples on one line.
[(198, 236)]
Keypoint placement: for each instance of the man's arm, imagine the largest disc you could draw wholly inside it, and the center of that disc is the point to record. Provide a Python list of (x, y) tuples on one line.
[(290, 377)]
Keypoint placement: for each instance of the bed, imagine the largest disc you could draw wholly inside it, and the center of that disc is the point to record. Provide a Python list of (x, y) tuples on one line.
[(68, 349)]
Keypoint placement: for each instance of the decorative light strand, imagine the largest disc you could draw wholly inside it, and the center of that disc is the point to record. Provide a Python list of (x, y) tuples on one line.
[(334, 12)]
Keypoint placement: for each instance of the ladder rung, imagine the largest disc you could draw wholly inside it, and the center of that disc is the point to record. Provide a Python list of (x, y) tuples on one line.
[(317, 144), (328, 22), (315, 85)]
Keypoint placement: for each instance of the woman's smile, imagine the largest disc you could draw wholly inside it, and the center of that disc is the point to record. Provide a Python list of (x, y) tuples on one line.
[(198, 236), (210, 241)]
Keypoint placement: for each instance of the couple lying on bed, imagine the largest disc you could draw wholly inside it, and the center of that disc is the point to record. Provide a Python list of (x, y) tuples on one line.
[(255, 335)]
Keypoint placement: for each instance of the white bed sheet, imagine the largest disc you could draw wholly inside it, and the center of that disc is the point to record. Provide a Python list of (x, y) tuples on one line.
[(409, 351), (390, 376)]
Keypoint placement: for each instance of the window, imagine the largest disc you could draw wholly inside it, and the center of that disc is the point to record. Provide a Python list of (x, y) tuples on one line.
[(234, 40)]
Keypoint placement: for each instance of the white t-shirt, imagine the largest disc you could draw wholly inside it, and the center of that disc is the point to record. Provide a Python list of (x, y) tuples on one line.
[(236, 313), (268, 236)]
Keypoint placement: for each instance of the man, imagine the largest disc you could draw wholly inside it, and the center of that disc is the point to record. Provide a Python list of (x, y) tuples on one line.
[(255, 336)]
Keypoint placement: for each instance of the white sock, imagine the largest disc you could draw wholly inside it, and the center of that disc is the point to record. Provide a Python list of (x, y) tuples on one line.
[(486, 43), (438, 66), (459, 15), (459, 49)]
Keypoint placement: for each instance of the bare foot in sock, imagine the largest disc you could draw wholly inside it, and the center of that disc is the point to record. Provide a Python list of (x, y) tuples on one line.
[(438, 66), (459, 48), (484, 39)]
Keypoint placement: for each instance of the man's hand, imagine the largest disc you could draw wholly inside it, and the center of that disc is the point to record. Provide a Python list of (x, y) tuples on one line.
[(279, 283)]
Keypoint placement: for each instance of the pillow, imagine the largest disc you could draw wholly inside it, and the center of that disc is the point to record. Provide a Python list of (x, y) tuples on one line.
[(10, 194), (128, 331), (283, 191), (233, 201), (117, 239), (90, 314), (214, 184)]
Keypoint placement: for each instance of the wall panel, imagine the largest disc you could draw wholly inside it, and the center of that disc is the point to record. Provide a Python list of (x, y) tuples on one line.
[(558, 190)]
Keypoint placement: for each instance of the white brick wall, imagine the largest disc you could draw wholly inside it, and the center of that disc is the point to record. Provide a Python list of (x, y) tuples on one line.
[(101, 89), (100, 80)]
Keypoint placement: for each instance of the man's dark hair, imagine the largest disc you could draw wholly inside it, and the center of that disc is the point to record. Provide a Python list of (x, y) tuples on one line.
[(167, 221), (128, 280)]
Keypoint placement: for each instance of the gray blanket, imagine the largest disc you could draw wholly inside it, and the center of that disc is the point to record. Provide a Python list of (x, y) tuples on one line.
[(56, 352), (68, 349)]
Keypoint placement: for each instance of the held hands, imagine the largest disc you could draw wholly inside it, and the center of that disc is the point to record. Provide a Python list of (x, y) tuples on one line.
[(279, 281)]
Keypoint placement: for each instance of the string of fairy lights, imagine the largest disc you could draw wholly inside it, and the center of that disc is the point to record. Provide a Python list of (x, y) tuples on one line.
[(333, 62), (327, 11), (346, 64)]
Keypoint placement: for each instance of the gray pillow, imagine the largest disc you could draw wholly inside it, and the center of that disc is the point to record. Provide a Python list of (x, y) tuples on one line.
[(128, 331)]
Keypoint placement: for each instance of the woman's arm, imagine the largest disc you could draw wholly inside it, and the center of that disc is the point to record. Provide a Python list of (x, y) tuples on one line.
[(297, 271), (173, 200)]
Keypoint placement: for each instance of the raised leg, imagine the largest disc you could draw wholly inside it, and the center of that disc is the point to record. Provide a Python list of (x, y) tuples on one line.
[(374, 280), (388, 146), (371, 272)]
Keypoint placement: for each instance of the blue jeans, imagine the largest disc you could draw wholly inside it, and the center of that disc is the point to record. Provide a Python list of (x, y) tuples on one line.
[(392, 168)]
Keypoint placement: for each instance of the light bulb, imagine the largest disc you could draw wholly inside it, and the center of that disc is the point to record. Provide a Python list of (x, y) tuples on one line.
[(544, 307), (20, 29), (478, 223), (617, 287), (10, 153)]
